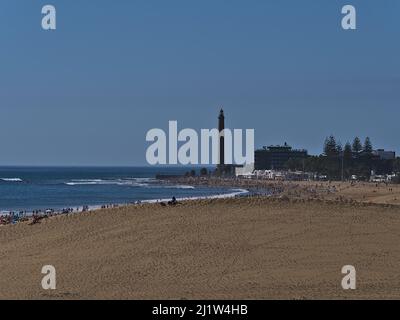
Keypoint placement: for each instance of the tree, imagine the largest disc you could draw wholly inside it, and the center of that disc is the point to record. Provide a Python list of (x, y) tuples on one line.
[(396, 165), (330, 147), (347, 153), (357, 147), (339, 148), (396, 170), (294, 164), (203, 172), (192, 173), (347, 161), (367, 146)]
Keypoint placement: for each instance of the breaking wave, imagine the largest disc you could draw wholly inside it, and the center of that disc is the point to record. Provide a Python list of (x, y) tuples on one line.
[(119, 182), (179, 187), (11, 179), (133, 182)]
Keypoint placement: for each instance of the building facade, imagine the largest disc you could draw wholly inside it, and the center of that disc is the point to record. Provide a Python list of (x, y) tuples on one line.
[(384, 155), (276, 157)]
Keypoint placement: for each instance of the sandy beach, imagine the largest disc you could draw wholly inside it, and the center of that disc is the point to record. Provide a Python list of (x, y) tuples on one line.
[(287, 247)]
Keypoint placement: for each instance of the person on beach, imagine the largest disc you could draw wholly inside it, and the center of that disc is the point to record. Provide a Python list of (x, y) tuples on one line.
[(173, 202)]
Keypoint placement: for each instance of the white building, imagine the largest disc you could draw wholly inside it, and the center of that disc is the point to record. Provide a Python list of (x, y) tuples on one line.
[(245, 171)]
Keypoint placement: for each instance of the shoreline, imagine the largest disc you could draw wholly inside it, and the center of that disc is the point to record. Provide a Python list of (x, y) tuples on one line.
[(295, 190), (15, 217), (360, 191)]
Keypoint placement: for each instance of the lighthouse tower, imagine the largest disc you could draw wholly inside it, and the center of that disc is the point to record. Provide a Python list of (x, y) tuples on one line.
[(223, 169), (221, 127)]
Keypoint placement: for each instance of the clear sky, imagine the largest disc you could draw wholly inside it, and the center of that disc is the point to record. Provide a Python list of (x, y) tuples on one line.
[(87, 93)]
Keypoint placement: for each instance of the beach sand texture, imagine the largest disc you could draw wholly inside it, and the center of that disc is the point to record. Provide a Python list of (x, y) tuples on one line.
[(246, 248)]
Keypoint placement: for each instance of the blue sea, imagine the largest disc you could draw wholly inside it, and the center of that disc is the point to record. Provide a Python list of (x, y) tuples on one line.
[(35, 188)]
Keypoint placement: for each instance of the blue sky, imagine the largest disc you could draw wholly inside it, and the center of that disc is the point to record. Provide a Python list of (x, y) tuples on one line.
[(87, 93)]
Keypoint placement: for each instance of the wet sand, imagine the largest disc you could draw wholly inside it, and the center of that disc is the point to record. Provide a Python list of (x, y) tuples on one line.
[(246, 248)]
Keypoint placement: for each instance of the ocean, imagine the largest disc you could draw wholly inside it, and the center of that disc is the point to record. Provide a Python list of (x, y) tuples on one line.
[(40, 188)]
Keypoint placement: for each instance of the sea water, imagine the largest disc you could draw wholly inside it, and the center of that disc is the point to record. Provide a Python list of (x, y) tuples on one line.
[(34, 188)]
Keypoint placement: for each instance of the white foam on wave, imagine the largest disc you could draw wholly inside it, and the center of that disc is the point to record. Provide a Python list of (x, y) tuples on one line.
[(181, 187), (87, 180), (233, 194), (11, 179), (163, 186), (119, 182), (80, 183), (141, 179)]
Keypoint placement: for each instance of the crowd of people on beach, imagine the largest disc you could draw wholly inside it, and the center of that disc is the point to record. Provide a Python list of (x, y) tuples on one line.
[(13, 217), (107, 206), (35, 216)]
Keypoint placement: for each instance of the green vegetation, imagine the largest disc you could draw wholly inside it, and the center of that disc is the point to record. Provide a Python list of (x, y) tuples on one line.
[(342, 163)]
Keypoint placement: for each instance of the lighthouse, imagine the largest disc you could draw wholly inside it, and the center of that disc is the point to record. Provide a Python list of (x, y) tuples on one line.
[(223, 169), (221, 127)]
